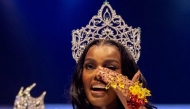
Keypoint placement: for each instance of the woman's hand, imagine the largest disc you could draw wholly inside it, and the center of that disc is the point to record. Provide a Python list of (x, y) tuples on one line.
[(119, 83)]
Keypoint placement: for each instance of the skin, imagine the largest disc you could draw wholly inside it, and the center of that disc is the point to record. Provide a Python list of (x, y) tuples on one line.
[(97, 57), (106, 58)]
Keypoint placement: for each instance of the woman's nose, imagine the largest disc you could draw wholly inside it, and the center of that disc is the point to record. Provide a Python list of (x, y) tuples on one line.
[(96, 74), (100, 67)]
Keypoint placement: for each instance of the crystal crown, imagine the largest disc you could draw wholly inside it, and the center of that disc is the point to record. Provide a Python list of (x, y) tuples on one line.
[(25, 101), (106, 25)]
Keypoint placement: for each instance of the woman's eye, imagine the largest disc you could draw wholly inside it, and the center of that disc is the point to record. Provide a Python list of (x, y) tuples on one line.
[(89, 66), (111, 67)]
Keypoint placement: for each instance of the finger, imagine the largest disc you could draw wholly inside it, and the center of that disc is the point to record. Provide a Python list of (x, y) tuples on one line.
[(102, 72), (124, 93), (106, 75), (136, 76), (118, 79)]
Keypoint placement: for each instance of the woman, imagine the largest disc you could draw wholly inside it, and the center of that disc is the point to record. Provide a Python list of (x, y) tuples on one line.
[(104, 62)]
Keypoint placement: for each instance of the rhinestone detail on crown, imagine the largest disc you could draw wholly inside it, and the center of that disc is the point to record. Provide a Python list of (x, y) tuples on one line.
[(106, 25), (25, 101)]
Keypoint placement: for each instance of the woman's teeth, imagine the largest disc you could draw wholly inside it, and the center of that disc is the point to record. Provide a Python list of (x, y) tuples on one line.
[(98, 88)]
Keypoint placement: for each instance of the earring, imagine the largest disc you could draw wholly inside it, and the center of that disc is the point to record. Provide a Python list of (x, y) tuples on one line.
[(87, 102)]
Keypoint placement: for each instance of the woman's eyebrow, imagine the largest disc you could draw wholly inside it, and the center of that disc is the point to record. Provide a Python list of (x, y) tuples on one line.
[(112, 60), (89, 59)]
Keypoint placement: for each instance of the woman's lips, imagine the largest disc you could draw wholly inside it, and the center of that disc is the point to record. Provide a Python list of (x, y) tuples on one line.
[(98, 89), (100, 93)]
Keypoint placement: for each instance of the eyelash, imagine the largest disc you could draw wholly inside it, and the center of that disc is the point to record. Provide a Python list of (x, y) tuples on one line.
[(112, 67), (89, 66)]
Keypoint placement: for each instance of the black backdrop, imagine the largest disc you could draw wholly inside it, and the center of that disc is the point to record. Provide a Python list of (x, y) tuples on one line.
[(35, 45)]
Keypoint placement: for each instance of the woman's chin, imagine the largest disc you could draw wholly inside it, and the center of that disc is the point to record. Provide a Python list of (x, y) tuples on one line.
[(102, 102), (100, 99)]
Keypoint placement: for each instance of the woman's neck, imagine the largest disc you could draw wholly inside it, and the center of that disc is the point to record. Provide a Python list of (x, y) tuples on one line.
[(113, 105), (105, 107)]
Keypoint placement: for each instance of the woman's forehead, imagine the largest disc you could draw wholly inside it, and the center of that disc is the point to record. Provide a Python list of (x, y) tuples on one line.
[(103, 52), (106, 48)]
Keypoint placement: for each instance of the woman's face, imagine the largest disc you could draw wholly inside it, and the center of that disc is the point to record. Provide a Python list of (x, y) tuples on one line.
[(106, 56)]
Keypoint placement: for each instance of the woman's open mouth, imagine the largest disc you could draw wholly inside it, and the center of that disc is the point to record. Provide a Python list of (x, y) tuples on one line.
[(98, 90)]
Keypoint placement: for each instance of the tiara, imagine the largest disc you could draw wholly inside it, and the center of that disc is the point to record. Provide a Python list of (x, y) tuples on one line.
[(25, 101), (106, 25)]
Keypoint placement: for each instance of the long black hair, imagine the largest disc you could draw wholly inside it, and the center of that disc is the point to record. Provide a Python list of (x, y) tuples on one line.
[(128, 68)]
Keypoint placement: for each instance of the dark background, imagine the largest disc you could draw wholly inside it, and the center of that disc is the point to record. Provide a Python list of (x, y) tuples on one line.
[(35, 45)]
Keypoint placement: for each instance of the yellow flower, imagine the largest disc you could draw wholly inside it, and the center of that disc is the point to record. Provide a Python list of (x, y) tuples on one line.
[(114, 84), (135, 90), (139, 91)]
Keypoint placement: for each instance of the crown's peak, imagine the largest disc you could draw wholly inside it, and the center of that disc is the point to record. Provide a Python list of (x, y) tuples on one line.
[(106, 2), (106, 24), (25, 101)]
